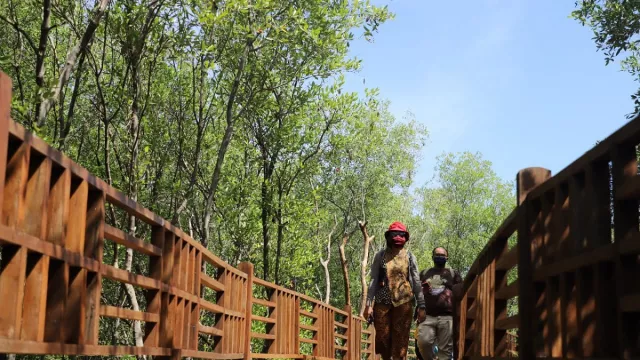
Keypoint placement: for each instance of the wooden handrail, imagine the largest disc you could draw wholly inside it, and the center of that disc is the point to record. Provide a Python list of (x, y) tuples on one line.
[(53, 230)]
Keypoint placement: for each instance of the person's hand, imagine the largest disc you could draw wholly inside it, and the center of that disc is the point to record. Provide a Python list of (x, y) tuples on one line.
[(422, 315), (368, 311)]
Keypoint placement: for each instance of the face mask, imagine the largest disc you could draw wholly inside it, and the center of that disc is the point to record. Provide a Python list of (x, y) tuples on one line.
[(439, 260), (399, 240), (396, 238)]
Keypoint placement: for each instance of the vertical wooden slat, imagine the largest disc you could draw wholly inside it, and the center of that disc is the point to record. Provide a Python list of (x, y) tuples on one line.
[(154, 297), (5, 109), (15, 184), (167, 300), (57, 220), (34, 223), (625, 223), (94, 249), (248, 269), (75, 240), (462, 333), (586, 311), (570, 341), (35, 297), (58, 206), (55, 329), (195, 313), (186, 325), (14, 262), (296, 331), (554, 334)]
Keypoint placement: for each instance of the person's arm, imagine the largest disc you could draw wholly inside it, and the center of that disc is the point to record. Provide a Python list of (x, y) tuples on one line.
[(373, 285), (416, 284)]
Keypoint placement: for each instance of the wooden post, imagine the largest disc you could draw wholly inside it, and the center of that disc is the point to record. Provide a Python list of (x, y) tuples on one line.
[(248, 269), (527, 180), (5, 110)]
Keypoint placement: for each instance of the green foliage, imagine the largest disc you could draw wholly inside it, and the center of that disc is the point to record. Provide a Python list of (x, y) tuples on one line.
[(463, 211), (615, 25)]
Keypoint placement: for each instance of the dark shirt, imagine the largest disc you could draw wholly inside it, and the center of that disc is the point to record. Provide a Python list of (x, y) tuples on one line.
[(438, 289)]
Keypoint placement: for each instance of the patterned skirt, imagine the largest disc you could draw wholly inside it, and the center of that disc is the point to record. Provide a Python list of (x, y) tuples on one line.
[(393, 327)]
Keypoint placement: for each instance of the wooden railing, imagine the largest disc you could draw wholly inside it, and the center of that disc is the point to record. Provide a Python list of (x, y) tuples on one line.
[(577, 258), (53, 235)]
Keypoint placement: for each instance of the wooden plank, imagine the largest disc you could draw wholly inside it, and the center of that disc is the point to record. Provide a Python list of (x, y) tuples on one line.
[(508, 260), (586, 310), (58, 207), (630, 303), (17, 172), (211, 283), (34, 218), (131, 242), (308, 314), (35, 298), (256, 335), (167, 320), (92, 318), (48, 348), (76, 224), (210, 355), (14, 263), (56, 301), (75, 311), (210, 330), (570, 339), (554, 321), (209, 306), (266, 303), (606, 329), (567, 264), (309, 341), (94, 247), (512, 322), (124, 276), (5, 110), (308, 327), (277, 356), (154, 297), (116, 312), (508, 291), (625, 213), (10, 236), (263, 319)]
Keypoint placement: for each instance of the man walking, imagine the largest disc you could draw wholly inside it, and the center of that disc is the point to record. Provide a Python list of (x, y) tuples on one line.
[(439, 284)]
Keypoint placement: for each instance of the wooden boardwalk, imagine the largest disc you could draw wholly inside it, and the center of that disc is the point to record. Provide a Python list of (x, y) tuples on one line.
[(575, 249)]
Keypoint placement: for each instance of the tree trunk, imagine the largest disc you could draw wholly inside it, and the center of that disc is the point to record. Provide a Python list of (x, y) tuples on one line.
[(345, 269), (365, 262), (46, 104), (280, 234), (325, 264), (265, 203)]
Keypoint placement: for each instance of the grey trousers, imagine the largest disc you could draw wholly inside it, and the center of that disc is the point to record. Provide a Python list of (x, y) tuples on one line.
[(436, 330)]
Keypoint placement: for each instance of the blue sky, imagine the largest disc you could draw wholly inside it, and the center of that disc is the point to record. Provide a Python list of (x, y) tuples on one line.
[(518, 81)]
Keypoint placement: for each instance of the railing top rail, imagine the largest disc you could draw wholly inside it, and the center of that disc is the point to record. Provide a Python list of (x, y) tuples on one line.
[(120, 200), (627, 134)]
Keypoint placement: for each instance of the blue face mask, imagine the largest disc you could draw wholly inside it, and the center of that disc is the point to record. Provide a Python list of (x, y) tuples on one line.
[(439, 260)]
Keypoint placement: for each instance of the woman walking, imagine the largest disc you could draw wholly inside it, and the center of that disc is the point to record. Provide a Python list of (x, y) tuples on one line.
[(394, 284)]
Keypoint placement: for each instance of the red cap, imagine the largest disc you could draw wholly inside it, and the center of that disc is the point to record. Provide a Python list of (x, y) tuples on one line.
[(397, 226)]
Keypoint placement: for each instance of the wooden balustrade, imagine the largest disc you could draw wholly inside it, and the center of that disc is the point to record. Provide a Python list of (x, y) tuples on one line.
[(53, 273), (577, 258)]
